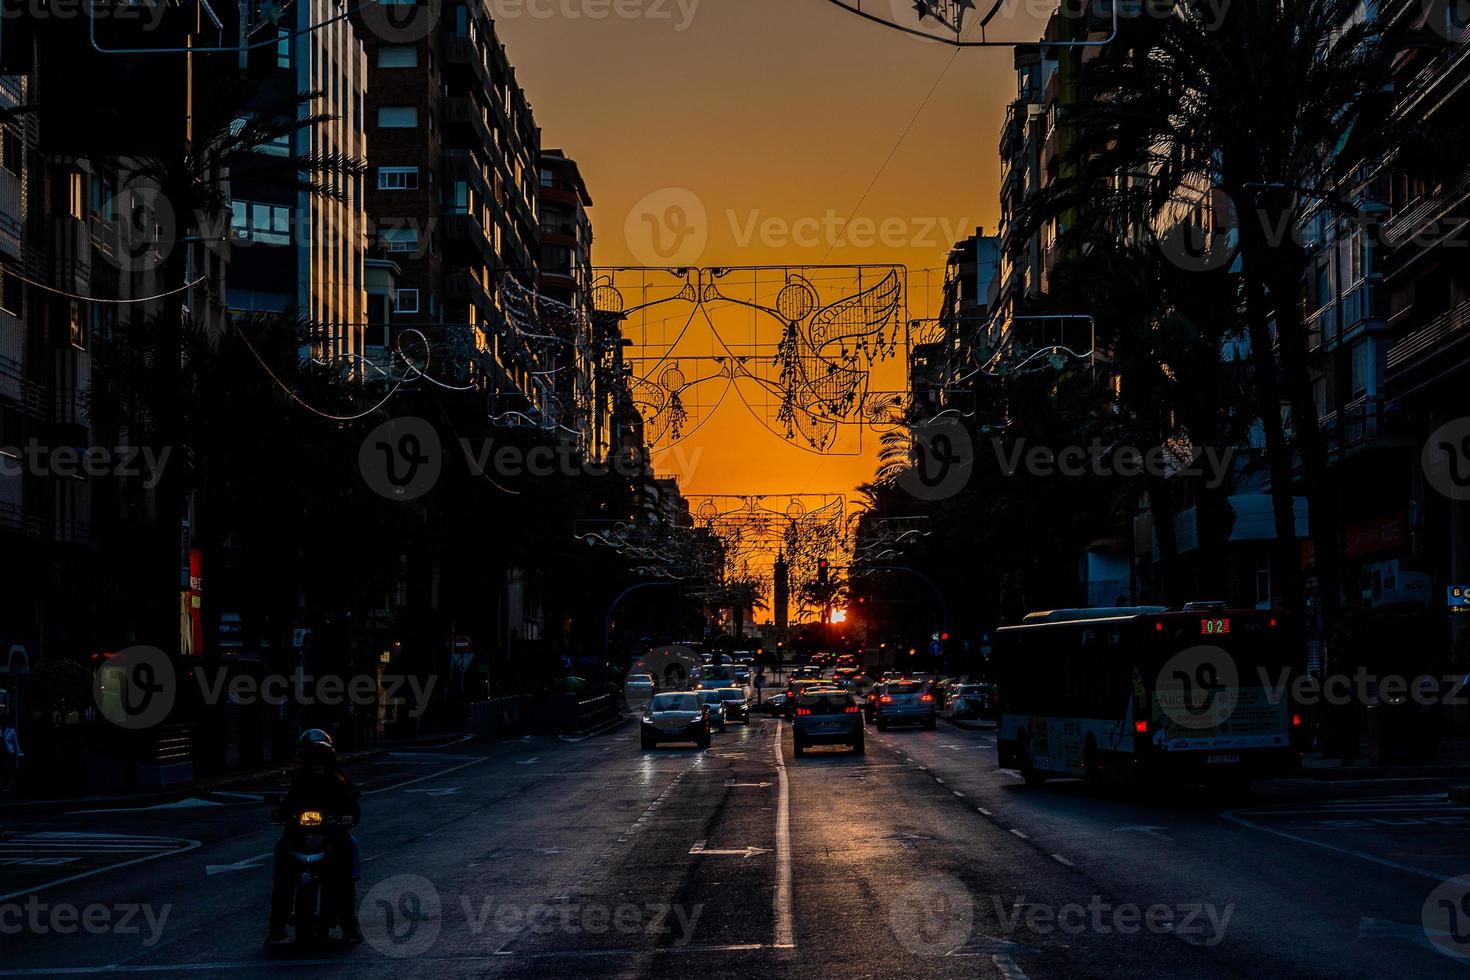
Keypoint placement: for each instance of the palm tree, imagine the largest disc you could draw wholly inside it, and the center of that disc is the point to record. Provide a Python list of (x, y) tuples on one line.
[(230, 127), (1276, 103)]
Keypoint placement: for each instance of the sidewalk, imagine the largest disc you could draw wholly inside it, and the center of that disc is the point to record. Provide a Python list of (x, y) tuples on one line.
[(169, 794), (1451, 761)]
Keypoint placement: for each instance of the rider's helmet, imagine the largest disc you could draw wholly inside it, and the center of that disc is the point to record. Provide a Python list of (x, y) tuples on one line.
[(316, 749)]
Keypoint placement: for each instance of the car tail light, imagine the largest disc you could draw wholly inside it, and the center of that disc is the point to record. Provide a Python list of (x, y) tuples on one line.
[(1296, 721), (803, 711), (926, 697), (852, 709), (886, 699), (1141, 727)]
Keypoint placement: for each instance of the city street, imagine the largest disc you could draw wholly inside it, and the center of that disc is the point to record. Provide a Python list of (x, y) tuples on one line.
[(551, 857)]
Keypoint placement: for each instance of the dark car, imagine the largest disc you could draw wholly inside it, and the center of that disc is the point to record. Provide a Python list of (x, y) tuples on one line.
[(675, 717), (827, 718), (737, 704), (905, 701), (775, 704)]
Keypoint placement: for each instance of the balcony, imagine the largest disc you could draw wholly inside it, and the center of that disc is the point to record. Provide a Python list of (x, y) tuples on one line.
[(12, 356), (10, 215), (1423, 214), (1428, 340), (11, 479), (71, 255), (73, 379)]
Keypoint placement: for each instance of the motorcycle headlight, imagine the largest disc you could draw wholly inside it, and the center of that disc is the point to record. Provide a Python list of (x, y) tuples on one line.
[(310, 818)]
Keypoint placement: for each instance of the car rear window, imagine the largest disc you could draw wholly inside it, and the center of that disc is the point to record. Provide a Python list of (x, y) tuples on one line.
[(731, 694), (907, 687), (828, 703)]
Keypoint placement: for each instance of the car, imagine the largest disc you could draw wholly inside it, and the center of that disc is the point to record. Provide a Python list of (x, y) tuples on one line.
[(905, 701), (775, 704), (806, 673), (742, 674), (719, 675), (737, 704), (827, 718), (799, 685), (639, 686), (675, 717), (969, 701), (713, 699)]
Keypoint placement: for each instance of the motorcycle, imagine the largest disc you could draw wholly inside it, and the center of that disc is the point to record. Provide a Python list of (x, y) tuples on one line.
[(315, 873)]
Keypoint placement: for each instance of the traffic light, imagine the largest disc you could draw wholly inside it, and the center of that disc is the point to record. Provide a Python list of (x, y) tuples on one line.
[(821, 573)]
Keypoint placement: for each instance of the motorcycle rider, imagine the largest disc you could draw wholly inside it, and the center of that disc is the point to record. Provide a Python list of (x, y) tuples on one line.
[(318, 783)]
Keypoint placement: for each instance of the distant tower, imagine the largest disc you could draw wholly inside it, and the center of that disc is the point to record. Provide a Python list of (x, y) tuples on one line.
[(783, 593)]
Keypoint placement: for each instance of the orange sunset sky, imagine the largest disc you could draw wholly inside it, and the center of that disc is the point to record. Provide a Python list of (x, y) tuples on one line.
[(770, 112)]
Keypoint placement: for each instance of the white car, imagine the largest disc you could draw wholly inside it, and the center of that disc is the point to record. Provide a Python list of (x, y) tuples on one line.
[(639, 687)]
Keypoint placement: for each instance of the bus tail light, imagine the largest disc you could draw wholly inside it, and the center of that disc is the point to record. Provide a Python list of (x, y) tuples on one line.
[(1141, 727), (803, 711), (886, 699), (852, 709), (926, 697)]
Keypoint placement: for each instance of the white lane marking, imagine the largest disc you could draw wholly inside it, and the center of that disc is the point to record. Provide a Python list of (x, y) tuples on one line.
[(431, 775), (939, 780), (982, 811), (1061, 860), (187, 845), (445, 791), (248, 864), (1007, 967), (1351, 852), (528, 762), (745, 852), (1020, 833), (188, 803), (958, 793), (785, 934)]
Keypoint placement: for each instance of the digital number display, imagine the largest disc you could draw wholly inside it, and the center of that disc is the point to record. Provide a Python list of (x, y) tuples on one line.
[(1214, 627)]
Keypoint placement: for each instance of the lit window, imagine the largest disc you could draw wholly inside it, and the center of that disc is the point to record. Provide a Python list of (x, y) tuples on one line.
[(398, 117), (398, 56), (399, 239), (269, 224), (398, 178)]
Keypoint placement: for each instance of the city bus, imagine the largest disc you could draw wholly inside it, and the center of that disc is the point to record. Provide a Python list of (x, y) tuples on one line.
[(1200, 694)]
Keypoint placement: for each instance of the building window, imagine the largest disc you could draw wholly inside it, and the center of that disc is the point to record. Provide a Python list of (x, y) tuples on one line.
[(76, 198), (11, 293), (283, 48), (548, 179), (407, 301), (398, 56), (1362, 351), (10, 150), (398, 178), (399, 239), (269, 224), (398, 117)]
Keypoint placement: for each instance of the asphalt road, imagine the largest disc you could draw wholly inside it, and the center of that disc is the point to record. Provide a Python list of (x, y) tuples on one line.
[(552, 858)]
